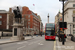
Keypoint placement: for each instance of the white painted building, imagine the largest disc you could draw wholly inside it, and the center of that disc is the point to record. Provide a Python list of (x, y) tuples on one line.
[(69, 16)]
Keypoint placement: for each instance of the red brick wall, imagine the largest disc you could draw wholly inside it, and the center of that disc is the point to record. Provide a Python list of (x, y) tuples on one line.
[(4, 21), (33, 19)]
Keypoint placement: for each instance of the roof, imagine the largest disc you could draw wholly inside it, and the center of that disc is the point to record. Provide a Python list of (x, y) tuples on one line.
[(3, 11)]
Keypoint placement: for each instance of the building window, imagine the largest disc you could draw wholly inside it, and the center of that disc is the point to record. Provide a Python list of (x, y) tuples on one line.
[(0, 16), (73, 19), (73, 5), (28, 16), (73, 25), (0, 22), (28, 26), (28, 22), (28, 19), (73, 31)]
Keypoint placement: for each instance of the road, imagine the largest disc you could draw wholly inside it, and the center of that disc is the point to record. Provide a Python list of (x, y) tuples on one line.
[(38, 43)]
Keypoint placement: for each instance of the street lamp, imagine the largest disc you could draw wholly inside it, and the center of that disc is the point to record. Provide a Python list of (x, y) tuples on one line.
[(63, 8), (63, 21)]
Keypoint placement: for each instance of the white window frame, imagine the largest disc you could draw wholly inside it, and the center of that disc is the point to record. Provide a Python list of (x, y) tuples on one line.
[(28, 19), (28, 22), (0, 16), (28, 16)]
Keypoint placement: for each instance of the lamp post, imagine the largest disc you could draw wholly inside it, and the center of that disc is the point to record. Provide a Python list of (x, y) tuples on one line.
[(63, 9), (63, 21)]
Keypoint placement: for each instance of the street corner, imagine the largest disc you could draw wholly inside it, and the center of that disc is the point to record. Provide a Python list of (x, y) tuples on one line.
[(69, 45)]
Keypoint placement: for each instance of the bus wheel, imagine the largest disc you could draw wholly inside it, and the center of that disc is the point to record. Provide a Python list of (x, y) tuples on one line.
[(54, 39)]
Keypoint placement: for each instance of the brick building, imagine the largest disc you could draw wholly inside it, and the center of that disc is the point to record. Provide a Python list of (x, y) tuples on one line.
[(33, 23), (3, 19), (6, 20)]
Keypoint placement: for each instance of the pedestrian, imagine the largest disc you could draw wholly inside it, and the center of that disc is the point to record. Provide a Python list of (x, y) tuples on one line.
[(65, 36)]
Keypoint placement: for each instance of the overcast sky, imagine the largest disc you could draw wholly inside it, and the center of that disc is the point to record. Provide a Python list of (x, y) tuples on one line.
[(42, 7)]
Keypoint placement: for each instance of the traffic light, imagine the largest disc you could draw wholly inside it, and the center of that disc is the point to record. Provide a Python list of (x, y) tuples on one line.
[(63, 25)]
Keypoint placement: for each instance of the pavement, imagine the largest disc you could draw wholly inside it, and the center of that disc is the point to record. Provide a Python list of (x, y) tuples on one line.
[(69, 45), (5, 40)]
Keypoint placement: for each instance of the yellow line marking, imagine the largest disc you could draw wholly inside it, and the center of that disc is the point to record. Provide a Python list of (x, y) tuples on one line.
[(54, 45)]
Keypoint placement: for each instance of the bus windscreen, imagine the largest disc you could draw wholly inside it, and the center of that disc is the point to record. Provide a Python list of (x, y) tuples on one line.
[(49, 33)]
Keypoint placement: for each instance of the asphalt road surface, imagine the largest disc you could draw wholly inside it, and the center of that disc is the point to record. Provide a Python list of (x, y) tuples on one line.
[(38, 43)]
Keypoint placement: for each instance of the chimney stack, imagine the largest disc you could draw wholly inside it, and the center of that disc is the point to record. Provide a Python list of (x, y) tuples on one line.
[(10, 9)]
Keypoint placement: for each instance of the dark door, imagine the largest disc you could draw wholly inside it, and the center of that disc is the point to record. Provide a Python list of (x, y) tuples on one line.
[(15, 31)]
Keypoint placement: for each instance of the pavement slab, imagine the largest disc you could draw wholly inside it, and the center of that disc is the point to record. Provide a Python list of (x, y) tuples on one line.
[(69, 45), (5, 41)]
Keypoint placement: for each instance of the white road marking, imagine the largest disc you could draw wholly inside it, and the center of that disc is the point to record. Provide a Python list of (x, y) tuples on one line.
[(40, 43), (22, 42), (21, 47), (36, 41)]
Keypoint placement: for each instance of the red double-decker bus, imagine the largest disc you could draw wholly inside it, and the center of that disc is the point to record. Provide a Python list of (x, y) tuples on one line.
[(50, 31)]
